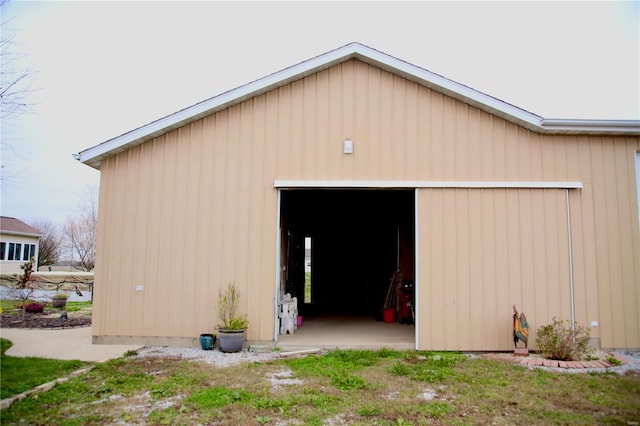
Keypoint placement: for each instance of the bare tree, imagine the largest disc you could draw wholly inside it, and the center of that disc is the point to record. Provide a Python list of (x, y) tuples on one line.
[(80, 230), (50, 246), (15, 88), (13, 91)]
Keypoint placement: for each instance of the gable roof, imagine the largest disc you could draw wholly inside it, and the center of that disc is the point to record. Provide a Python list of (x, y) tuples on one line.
[(93, 156), (13, 226)]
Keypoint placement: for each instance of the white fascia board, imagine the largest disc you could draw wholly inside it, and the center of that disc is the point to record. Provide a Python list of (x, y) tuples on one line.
[(448, 87), (576, 126), (493, 105), (298, 184)]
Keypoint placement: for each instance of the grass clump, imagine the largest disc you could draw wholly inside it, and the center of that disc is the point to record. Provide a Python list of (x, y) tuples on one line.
[(613, 360), (77, 306), (369, 411), (436, 410), (217, 397), (346, 381), (429, 367), (340, 365)]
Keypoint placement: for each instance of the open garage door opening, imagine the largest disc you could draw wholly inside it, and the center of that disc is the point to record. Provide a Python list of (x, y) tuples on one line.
[(346, 255)]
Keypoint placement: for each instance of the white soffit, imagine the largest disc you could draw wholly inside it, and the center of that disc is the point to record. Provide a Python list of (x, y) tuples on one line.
[(94, 155), (326, 184)]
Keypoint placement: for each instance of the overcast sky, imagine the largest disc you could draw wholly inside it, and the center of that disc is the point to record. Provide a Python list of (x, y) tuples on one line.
[(104, 68)]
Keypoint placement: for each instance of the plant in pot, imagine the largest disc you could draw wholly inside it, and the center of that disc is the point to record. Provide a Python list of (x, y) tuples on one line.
[(232, 327), (59, 300)]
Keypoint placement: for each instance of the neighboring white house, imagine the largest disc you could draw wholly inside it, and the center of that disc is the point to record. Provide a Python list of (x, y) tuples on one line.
[(19, 242), (307, 260)]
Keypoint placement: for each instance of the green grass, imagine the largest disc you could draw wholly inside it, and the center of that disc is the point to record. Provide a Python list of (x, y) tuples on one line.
[(384, 387), (77, 306), (307, 287), (9, 305), (21, 374), (12, 307)]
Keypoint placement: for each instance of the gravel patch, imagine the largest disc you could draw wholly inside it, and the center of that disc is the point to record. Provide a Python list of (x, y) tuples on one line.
[(632, 365), (283, 378), (216, 357), (428, 394)]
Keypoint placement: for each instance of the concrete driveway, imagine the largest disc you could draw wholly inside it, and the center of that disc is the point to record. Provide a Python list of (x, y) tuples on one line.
[(74, 343)]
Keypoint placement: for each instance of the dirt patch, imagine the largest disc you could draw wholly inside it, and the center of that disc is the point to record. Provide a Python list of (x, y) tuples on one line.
[(47, 319)]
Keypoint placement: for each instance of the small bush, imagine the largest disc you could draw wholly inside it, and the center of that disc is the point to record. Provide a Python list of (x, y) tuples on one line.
[(558, 341), (130, 353), (614, 360), (34, 308)]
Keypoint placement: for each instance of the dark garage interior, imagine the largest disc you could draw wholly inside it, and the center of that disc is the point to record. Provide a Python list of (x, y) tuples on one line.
[(358, 240)]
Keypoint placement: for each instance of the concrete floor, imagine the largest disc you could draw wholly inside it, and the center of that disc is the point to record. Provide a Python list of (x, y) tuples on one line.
[(348, 332)]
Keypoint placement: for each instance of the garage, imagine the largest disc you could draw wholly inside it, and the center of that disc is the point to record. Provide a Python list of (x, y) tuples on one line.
[(372, 164)]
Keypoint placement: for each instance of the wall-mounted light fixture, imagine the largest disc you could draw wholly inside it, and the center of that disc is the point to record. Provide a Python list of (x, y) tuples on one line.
[(347, 146)]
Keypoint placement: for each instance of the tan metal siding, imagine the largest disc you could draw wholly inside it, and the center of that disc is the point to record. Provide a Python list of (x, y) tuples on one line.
[(191, 210), (483, 250), (617, 249)]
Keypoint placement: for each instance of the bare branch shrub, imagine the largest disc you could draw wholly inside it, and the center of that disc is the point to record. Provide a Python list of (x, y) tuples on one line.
[(559, 341), (24, 286)]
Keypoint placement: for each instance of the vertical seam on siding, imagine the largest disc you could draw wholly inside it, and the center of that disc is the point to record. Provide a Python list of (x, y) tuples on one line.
[(416, 242), (571, 284), (277, 280)]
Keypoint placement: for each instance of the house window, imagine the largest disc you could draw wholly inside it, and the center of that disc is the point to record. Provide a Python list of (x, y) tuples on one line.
[(17, 251)]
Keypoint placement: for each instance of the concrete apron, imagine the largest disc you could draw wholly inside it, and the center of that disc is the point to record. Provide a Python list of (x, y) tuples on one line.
[(74, 343)]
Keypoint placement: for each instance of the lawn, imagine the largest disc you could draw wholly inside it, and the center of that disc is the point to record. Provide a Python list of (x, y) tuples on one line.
[(20, 374), (12, 305), (307, 287), (384, 387)]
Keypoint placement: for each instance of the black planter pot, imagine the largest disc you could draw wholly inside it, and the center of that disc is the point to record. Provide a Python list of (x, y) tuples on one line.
[(231, 340), (207, 341)]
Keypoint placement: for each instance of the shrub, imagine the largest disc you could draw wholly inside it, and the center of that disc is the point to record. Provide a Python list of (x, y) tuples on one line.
[(558, 341), (34, 308)]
